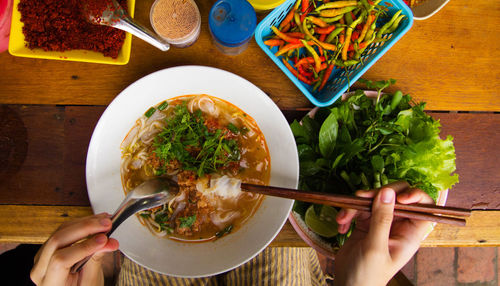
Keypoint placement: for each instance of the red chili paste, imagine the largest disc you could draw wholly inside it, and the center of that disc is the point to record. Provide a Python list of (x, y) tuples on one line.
[(61, 25)]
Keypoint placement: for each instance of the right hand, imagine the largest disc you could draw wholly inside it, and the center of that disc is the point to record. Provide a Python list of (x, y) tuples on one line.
[(380, 245), (70, 243)]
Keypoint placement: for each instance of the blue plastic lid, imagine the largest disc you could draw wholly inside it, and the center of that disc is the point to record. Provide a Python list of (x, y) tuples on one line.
[(232, 22)]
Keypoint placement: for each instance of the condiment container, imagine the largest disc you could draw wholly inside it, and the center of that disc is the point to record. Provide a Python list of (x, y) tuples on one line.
[(262, 6), (5, 16), (177, 21), (232, 24)]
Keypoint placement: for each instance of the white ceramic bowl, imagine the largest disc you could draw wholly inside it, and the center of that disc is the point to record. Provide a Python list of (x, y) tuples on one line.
[(105, 188)]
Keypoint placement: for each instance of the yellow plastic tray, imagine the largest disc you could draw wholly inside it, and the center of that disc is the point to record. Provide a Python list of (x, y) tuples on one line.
[(17, 45)]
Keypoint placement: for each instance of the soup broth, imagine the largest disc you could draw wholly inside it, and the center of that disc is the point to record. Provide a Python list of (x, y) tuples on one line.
[(208, 146)]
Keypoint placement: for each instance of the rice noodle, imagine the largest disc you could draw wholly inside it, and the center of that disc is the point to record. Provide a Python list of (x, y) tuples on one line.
[(223, 219)]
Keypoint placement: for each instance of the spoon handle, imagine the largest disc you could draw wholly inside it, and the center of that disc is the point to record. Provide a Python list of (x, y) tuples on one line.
[(127, 24), (122, 213)]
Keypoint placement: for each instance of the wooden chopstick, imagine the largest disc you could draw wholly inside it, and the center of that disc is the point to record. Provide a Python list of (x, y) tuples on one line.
[(414, 211)]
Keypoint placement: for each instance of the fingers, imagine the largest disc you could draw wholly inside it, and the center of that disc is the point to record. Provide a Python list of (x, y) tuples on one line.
[(381, 218), (62, 260), (398, 186), (345, 216), (67, 234), (412, 196), (418, 228)]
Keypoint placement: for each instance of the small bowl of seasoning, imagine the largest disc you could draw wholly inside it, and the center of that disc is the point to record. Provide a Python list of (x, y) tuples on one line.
[(177, 21)]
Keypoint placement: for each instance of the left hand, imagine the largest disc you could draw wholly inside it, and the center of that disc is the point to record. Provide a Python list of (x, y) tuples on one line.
[(70, 243)]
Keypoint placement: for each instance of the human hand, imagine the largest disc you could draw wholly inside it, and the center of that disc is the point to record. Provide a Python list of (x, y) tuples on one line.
[(380, 245), (70, 243)]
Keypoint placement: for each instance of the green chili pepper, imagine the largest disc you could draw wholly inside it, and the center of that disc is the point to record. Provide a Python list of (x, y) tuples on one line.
[(387, 25), (315, 56), (395, 25), (344, 64), (296, 18), (331, 20), (333, 34), (348, 18)]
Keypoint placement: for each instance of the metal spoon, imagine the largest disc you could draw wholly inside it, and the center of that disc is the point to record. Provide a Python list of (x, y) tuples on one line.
[(150, 194), (117, 17)]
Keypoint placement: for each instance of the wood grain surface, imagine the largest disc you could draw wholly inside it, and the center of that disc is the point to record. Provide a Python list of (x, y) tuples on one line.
[(44, 150), (450, 61), (34, 224)]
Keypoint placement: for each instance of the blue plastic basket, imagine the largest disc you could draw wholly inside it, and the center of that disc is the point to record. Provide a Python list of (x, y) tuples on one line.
[(340, 79)]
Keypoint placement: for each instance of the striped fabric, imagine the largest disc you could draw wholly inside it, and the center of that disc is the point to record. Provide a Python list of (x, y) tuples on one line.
[(275, 266)]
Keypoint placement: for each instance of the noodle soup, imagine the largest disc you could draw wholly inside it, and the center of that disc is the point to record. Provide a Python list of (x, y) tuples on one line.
[(208, 146)]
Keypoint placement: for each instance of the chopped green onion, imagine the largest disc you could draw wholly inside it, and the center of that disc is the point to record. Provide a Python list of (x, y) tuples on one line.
[(163, 105), (150, 112)]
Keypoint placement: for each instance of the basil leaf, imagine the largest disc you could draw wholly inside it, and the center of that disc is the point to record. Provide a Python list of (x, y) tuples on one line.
[(328, 135)]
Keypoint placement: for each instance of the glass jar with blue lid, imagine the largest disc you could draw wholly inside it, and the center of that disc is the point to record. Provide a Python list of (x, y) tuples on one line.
[(232, 24)]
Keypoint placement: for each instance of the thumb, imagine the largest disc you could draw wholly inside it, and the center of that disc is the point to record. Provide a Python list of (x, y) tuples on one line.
[(381, 219)]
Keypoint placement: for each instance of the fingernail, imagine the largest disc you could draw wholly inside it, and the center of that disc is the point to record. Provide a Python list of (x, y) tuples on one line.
[(101, 239), (105, 222), (387, 196), (341, 214)]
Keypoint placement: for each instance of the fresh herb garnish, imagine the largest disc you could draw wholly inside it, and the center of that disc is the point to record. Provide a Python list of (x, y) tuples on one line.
[(186, 138), (161, 218), (226, 230), (233, 128), (187, 221), (363, 143)]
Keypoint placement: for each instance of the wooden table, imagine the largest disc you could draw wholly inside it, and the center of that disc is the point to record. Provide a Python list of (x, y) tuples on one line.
[(49, 109)]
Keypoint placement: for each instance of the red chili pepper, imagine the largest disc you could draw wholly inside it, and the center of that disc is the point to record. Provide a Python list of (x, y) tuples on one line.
[(327, 30), (296, 73), (297, 35), (287, 19), (304, 15), (274, 42), (305, 6), (305, 73), (355, 36), (308, 60), (287, 48), (327, 74), (285, 36), (322, 38), (286, 28)]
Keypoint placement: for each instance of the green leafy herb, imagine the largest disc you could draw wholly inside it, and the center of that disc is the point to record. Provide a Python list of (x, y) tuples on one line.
[(363, 143), (233, 128), (185, 138), (226, 230), (187, 221)]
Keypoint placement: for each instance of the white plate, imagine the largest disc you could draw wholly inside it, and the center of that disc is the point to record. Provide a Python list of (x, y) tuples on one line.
[(105, 187)]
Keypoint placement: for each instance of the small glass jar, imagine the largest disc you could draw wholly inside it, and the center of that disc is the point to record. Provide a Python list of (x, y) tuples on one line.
[(232, 24), (177, 21)]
